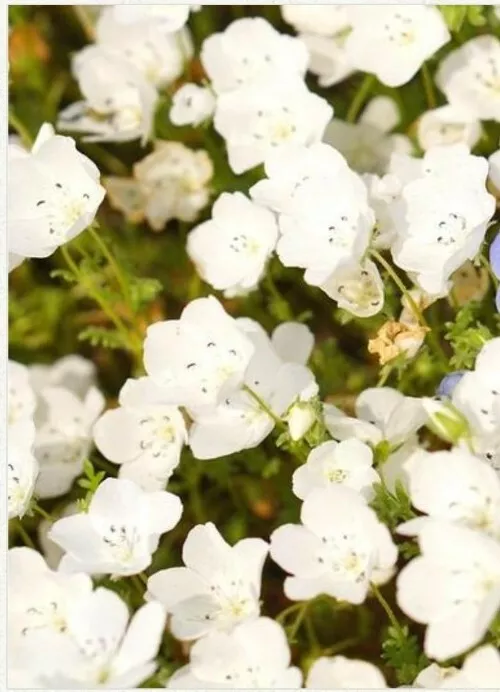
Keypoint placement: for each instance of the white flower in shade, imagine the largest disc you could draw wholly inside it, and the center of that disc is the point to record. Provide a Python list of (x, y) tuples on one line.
[(481, 670), (170, 183), (118, 102), (70, 372), (218, 588), (494, 170), (63, 436), (348, 463), (344, 673), (22, 467), (251, 50), (254, 655), (200, 358), (453, 486), (463, 567), (357, 288), (21, 400), (150, 47), (445, 214), (339, 548), (143, 435), (168, 18), (53, 194), (434, 676), (324, 20), (368, 144), (257, 118), (470, 77), (275, 381), (231, 250), (448, 125), (393, 42), (302, 414), (192, 105), (120, 531)]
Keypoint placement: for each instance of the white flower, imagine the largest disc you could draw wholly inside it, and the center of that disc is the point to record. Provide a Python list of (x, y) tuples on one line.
[(453, 486), (250, 50), (192, 105), (168, 17), (71, 372), (257, 118), (63, 436), (338, 550), (447, 125), (118, 103), (52, 552), (357, 288), (254, 655), (143, 434), (200, 358), (53, 194), (231, 250), (218, 588), (463, 567), (394, 42), (383, 194), (343, 673), (149, 46), (324, 20), (302, 414), (21, 401), (434, 676), (444, 216), (22, 467), (275, 374), (368, 144), (481, 670), (348, 463), (120, 531), (170, 183), (469, 77)]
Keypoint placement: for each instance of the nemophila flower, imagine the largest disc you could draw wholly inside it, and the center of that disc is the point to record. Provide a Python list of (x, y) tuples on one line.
[(119, 532), (325, 20), (495, 265), (143, 435), (250, 50), (218, 588), (444, 216), (348, 463), (21, 399), (395, 338), (254, 655), (231, 250), (192, 105), (339, 548), (257, 118), (368, 144), (357, 288), (22, 467), (469, 77), (481, 670), (394, 42), (447, 125), (449, 382), (170, 183), (169, 18), (343, 673), (71, 372), (463, 567), (433, 676), (63, 436), (302, 414), (53, 194), (455, 486), (276, 374), (200, 358), (118, 102)]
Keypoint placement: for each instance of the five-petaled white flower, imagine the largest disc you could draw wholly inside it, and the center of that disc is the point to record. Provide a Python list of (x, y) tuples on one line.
[(255, 655), (338, 550), (192, 105), (344, 673), (448, 125), (218, 588), (119, 532)]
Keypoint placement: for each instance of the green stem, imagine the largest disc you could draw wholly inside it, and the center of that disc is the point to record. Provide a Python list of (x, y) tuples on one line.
[(389, 612), (43, 513), (428, 86), (340, 646), (288, 611), (264, 406), (359, 98), (20, 128), (136, 581), (487, 266), (299, 619), (143, 577), (113, 264), (24, 534), (384, 376)]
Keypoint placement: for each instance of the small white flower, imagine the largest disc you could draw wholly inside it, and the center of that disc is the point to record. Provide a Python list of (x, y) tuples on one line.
[(143, 434), (448, 125), (118, 103), (257, 118), (357, 288), (481, 670), (200, 358), (254, 655), (218, 588), (393, 42), (53, 194), (344, 673), (231, 250), (248, 51), (21, 401), (120, 531), (168, 17), (434, 676), (302, 415), (348, 463), (22, 467), (463, 567), (470, 77), (338, 550), (192, 105), (70, 372)]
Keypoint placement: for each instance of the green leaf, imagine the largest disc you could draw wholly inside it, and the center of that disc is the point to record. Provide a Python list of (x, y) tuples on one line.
[(402, 652), (102, 336), (392, 508), (454, 16), (467, 336)]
